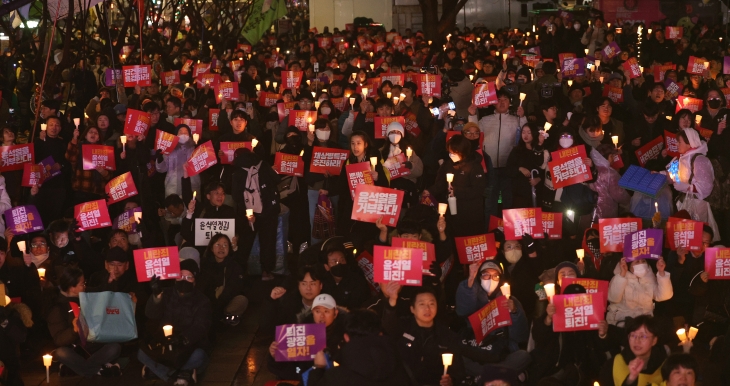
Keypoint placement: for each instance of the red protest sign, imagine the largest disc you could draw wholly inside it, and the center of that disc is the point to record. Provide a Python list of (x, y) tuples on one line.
[(412, 124), (14, 156), (717, 263), (491, 317), (163, 262), (120, 188), (268, 99), (552, 224), (137, 75), (327, 160), (683, 233), (564, 56), (283, 109), (403, 265), (616, 94), (339, 103), (474, 249), (202, 158), (98, 155), (170, 78), (372, 202), (660, 71), (302, 118), (696, 65), (229, 149), (650, 151), (324, 42), (358, 173), (381, 125), (611, 232), (567, 167), (484, 94), (495, 223), (207, 80), (137, 123), (187, 67), (165, 141), (246, 48), (592, 286), (672, 33), (429, 250), (517, 222), (201, 69), (213, 119), (227, 90), (692, 104), (429, 85), (288, 164), (395, 167), (32, 175), (92, 215), (395, 79), (578, 312), (195, 125), (670, 140), (291, 79), (632, 68)]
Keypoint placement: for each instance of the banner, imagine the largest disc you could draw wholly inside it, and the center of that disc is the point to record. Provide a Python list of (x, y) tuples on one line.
[(381, 125), (227, 90), (206, 228), (202, 158), (120, 188), (672, 33), (611, 232), (717, 263), (171, 77), (165, 141), (683, 233), (327, 160), (650, 151), (518, 222), (552, 224), (299, 342), (195, 125), (229, 149), (32, 175), (92, 215), (14, 156), (372, 202), (492, 316), (429, 85), (163, 262), (98, 155), (475, 249), (578, 312), (289, 164), (484, 94), (670, 140), (127, 221), (567, 167), (137, 123), (403, 265), (302, 118), (23, 219), (643, 244), (358, 173), (137, 76)]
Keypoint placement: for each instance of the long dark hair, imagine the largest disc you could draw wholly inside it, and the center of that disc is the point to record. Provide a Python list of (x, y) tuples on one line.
[(213, 240), (368, 143), (535, 136)]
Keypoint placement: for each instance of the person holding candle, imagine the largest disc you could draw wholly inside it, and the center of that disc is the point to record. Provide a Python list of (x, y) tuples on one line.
[(610, 125), (526, 166), (484, 285), (640, 362), (317, 183), (212, 207), (64, 329), (610, 195), (634, 289), (173, 164), (21, 281), (88, 185), (397, 143), (240, 132), (53, 194)]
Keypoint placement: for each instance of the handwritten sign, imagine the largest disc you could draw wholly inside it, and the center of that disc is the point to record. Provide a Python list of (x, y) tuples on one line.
[(299, 342), (518, 222), (492, 316), (567, 167), (717, 263), (14, 156), (578, 312), (650, 151), (120, 188), (403, 265), (206, 228), (474, 249), (23, 219), (163, 262), (202, 158), (612, 231), (372, 202), (327, 160), (92, 215), (643, 244), (98, 155)]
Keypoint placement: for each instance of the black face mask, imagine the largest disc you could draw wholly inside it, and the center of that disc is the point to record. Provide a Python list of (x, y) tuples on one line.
[(339, 270), (474, 144), (293, 140), (594, 246), (714, 103), (184, 286)]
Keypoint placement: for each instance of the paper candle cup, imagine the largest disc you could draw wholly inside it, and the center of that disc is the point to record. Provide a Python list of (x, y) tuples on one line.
[(249, 212), (698, 119), (364, 91), (196, 137), (137, 216), (43, 126), (47, 359), (449, 177), (167, 330), (506, 290), (373, 161), (452, 205), (254, 142), (682, 335), (316, 104), (258, 87), (77, 121), (442, 208), (275, 84), (692, 333), (352, 101), (311, 127), (195, 193), (580, 253), (395, 100), (267, 83), (402, 96), (547, 126), (447, 359), (409, 152), (669, 117), (614, 139), (549, 291), (21, 246), (123, 138), (522, 96), (41, 272)]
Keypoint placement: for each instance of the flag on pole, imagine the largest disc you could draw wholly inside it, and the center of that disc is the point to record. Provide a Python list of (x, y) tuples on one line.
[(265, 12)]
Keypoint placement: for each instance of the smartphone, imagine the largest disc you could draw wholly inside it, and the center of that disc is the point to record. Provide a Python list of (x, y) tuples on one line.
[(452, 106), (435, 111)]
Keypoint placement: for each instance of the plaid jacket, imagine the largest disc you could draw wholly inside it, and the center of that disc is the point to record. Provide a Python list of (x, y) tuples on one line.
[(90, 181)]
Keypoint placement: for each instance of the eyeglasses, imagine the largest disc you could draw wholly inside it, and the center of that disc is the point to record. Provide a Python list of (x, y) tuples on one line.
[(222, 246), (641, 338), (486, 275), (512, 246), (187, 278), (470, 133), (38, 245)]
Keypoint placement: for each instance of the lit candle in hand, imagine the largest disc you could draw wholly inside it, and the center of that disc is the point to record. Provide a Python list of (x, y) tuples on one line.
[(409, 153), (506, 290)]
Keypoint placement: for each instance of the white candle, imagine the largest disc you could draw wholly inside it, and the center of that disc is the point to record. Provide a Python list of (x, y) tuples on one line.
[(254, 142), (504, 56), (167, 329), (522, 96), (698, 119), (447, 360), (352, 101), (314, 94), (570, 83), (196, 137), (364, 92), (449, 177), (316, 104), (21, 246), (547, 126), (123, 138), (41, 273), (669, 117), (301, 153), (388, 94), (409, 153), (267, 83), (373, 161), (395, 100), (580, 253), (258, 87), (311, 127), (549, 291), (47, 359), (77, 121), (614, 139), (692, 333), (656, 206), (506, 290), (682, 335), (442, 208), (372, 66), (586, 50), (275, 83), (195, 193), (471, 78), (43, 126), (249, 212)]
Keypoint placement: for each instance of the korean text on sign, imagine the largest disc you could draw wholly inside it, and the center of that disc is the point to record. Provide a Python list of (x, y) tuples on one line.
[(163, 262), (92, 215), (612, 231), (567, 167), (372, 202), (206, 228), (578, 312), (717, 263), (473, 249), (137, 75), (299, 342), (13, 157), (327, 160), (23, 219), (289, 164), (518, 222), (403, 265), (492, 316), (643, 244), (683, 233)]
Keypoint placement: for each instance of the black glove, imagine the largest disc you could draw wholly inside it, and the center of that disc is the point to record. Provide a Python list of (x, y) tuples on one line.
[(160, 158), (436, 269), (528, 244), (408, 165), (155, 286)]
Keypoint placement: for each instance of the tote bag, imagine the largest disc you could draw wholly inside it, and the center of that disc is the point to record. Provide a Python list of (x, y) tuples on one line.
[(108, 317)]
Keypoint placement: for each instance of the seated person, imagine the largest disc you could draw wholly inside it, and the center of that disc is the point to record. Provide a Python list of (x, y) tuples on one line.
[(640, 362), (221, 280), (344, 281), (680, 370), (116, 276), (289, 304)]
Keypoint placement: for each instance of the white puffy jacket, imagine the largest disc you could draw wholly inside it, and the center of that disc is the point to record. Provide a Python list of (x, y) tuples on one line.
[(173, 165), (500, 135), (631, 296)]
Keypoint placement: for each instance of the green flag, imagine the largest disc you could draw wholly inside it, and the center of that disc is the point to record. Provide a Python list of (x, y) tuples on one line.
[(259, 22)]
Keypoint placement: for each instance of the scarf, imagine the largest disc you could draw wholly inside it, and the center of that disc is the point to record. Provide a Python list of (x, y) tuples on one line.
[(592, 142), (38, 260), (252, 192), (394, 150)]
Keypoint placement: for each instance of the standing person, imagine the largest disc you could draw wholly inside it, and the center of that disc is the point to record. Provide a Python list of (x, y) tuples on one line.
[(500, 132), (52, 196), (255, 188), (395, 144), (526, 165), (317, 183), (173, 164), (88, 185), (295, 196)]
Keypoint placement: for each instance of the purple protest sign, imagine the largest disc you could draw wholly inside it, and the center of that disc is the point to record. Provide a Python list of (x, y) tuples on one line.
[(611, 50), (111, 76), (673, 89), (50, 168), (299, 342), (127, 220), (726, 65), (23, 219), (643, 244)]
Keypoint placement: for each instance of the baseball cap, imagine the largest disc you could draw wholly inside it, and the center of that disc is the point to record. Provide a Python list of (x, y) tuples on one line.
[(324, 300), (490, 264)]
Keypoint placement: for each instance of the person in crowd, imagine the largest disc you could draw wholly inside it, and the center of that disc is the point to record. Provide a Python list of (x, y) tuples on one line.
[(640, 361), (527, 163), (345, 283), (173, 164), (222, 280), (634, 289), (88, 185), (680, 370)]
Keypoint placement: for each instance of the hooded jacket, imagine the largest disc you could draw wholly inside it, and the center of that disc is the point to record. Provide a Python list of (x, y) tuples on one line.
[(173, 164), (610, 195), (631, 296), (500, 133), (268, 187)]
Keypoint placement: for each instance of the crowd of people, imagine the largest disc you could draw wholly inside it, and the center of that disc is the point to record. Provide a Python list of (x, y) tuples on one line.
[(479, 116)]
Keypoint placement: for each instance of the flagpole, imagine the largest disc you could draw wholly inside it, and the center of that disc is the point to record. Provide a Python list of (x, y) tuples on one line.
[(140, 11)]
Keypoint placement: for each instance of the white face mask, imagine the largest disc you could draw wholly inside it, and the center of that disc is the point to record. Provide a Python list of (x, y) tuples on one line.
[(513, 256), (183, 138), (489, 285), (326, 110), (566, 142), (322, 135), (640, 270), (454, 157), (134, 239), (576, 27), (394, 138)]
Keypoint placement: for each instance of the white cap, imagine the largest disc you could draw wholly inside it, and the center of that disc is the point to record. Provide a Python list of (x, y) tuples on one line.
[(396, 126), (324, 300)]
